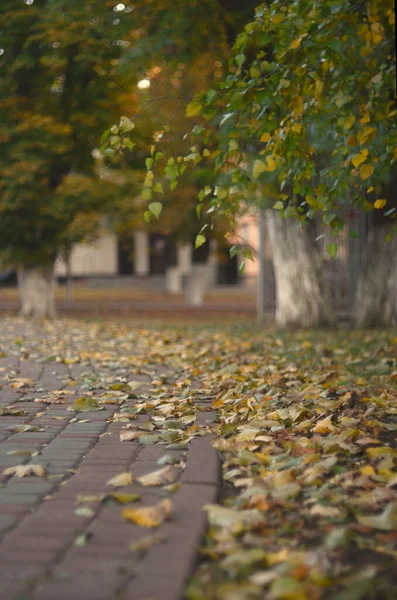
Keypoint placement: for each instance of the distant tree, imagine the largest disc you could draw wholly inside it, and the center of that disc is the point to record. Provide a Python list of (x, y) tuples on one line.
[(308, 108), (61, 86)]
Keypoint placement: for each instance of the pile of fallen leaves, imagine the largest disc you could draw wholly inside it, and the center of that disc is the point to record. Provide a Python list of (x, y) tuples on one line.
[(306, 428)]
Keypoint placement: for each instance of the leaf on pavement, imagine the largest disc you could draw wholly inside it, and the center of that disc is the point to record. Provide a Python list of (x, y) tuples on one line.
[(86, 405), (159, 477), (121, 480), (147, 542), (25, 471), (151, 516), (124, 498)]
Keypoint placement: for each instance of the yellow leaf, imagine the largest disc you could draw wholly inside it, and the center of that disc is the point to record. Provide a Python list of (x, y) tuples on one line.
[(381, 451), (296, 127), (120, 480), (297, 103), (319, 86), (193, 108), (160, 477), (349, 122), (285, 83), (366, 171), (351, 141), (124, 498), (295, 43), (265, 137), (360, 157), (366, 135), (324, 426), (151, 516), (368, 471), (380, 203), (278, 18), (370, 189), (258, 168), (271, 163)]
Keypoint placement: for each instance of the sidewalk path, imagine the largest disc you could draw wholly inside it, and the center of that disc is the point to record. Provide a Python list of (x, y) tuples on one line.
[(62, 535)]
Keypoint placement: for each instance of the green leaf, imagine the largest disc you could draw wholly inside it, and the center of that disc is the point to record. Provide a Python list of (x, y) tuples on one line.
[(332, 249), (155, 208), (158, 187), (234, 250), (240, 59), (247, 253), (126, 124), (146, 194), (149, 163), (279, 205), (200, 240), (193, 108)]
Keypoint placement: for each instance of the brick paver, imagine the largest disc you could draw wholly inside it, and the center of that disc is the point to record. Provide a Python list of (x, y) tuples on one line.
[(48, 550)]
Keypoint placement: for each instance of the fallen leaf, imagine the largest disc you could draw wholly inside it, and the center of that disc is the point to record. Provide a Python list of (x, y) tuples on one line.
[(160, 477), (23, 452), (121, 480), (25, 470), (124, 498), (86, 405), (319, 510), (151, 516), (386, 521), (84, 511), (128, 436), (147, 542)]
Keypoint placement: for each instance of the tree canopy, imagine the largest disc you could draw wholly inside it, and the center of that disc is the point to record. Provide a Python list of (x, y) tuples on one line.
[(61, 86), (306, 114)]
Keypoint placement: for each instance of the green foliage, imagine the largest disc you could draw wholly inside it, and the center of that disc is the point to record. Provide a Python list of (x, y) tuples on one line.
[(60, 88), (307, 109)]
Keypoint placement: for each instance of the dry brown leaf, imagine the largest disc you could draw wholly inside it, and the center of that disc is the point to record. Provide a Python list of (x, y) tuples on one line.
[(128, 436), (319, 510), (146, 543), (25, 470), (120, 480), (151, 516), (160, 477)]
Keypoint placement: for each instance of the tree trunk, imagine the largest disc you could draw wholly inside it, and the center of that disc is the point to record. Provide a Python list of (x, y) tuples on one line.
[(69, 278), (197, 284), (376, 299), (37, 290), (173, 280), (301, 296)]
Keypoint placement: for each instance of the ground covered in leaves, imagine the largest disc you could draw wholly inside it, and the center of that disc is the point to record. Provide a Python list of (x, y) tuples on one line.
[(306, 426)]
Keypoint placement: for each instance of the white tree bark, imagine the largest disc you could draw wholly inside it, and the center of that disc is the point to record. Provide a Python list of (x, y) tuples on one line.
[(173, 280), (302, 299), (37, 291), (376, 299), (197, 284)]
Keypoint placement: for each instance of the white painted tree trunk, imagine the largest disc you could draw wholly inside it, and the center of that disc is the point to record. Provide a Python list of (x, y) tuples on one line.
[(302, 299), (173, 280), (376, 299), (197, 284), (37, 291)]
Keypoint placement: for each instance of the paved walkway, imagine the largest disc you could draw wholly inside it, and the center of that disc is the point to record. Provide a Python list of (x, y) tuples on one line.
[(62, 536)]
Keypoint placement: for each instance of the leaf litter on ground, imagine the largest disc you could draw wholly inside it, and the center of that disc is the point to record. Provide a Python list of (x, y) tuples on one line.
[(306, 426)]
